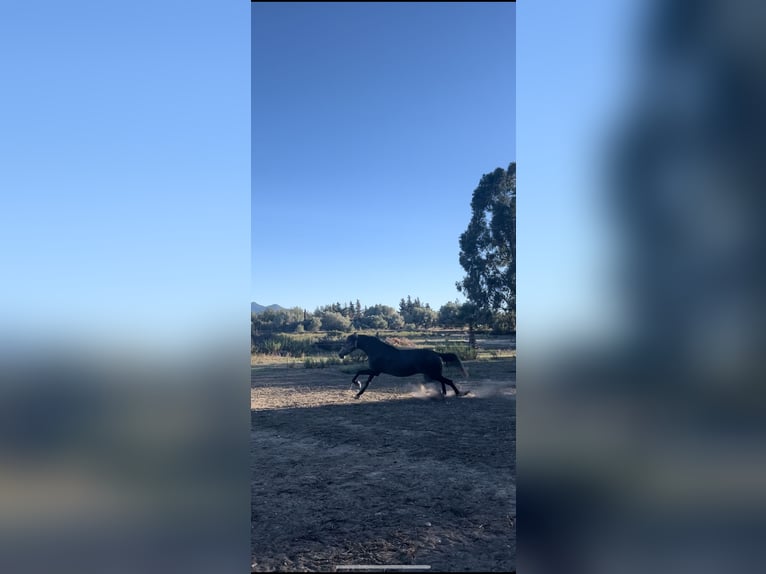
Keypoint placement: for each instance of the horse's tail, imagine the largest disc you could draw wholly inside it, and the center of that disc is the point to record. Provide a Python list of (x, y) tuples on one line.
[(452, 358)]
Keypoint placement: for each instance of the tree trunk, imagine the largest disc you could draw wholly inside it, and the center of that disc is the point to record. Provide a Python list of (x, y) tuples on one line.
[(471, 336)]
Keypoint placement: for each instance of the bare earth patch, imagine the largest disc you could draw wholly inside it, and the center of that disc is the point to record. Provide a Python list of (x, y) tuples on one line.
[(399, 476)]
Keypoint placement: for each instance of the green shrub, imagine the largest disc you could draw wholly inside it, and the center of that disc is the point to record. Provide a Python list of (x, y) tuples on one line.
[(332, 321), (284, 345)]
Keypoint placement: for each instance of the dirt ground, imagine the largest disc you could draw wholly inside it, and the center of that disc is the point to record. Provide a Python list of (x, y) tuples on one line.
[(400, 476)]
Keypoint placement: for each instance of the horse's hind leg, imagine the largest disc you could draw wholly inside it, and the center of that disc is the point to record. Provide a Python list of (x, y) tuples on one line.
[(442, 379), (429, 379)]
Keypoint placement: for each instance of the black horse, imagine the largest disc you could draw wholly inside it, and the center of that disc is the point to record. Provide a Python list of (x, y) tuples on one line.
[(384, 358)]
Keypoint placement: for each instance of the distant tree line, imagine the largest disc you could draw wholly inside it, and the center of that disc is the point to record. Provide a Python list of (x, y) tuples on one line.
[(411, 314), (487, 254)]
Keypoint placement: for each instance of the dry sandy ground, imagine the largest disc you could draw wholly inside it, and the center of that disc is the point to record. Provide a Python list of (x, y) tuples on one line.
[(399, 476)]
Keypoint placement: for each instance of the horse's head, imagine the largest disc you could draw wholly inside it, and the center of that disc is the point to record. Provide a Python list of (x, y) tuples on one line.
[(348, 346)]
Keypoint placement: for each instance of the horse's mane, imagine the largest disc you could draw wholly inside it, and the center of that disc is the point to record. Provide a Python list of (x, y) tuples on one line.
[(375, 341)]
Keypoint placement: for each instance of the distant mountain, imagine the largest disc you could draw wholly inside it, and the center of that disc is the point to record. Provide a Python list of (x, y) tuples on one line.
[(256, 308)]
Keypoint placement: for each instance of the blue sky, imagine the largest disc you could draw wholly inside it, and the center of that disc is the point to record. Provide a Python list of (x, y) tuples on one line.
[(125, 154), (371, 127), (575, 66)]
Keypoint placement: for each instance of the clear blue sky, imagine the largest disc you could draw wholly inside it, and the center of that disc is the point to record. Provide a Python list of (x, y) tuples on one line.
[(126, 154), (371, 127), (124, 166), (575, 64)]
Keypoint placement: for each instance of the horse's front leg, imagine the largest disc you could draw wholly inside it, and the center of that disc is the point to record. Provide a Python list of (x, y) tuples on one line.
[(364, 387), (354, 381)]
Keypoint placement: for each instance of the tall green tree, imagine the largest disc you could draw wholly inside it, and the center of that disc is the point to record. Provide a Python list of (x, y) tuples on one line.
[(488, 245)]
